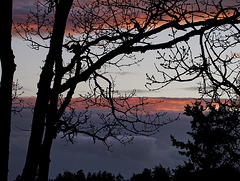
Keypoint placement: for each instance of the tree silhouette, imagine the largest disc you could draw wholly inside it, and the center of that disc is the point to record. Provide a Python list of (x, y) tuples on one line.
[(80, 176), (67, 176), (214, 144), (7, 72), (101, 34), (119, 177), (161, 173), (216, 62), (145, 175), (158, 173)]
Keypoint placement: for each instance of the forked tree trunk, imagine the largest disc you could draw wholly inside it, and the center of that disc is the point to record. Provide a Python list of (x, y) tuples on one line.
[(49, 135), (8, 68), (35, 151)]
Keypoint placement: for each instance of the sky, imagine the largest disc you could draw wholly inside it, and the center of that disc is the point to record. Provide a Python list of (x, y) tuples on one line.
[(144, 152), (29, 63)]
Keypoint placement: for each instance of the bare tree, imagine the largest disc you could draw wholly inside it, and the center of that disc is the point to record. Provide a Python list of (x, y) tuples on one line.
[(17, 101), (216, 62), (100, 34), (7, 72)]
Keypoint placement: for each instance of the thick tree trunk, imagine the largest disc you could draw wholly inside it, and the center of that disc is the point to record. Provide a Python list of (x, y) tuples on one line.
[(45, 157), (8, 69), (37, 131), (50, 134), (44, 93)]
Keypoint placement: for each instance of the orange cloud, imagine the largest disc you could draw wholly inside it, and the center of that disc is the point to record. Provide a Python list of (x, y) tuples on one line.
[(22, 8), (154, 104), (172, 104)]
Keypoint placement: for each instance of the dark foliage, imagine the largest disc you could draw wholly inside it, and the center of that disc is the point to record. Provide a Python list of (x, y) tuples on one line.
[(222, 173), (158, 173), (80, 176), (213, 151), (146, 175)]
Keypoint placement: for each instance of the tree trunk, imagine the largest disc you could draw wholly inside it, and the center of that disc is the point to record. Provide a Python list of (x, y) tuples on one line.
[(44, 92), (8, 69), (37, 131), (45, 157), (50, 134)]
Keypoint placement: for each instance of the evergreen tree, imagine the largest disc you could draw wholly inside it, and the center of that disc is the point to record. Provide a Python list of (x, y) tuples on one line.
[(215, 139)]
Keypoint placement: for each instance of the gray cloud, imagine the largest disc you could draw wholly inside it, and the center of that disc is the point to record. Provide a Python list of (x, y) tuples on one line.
[(21, 9), (193, 88), (122, 73), (138, 91)]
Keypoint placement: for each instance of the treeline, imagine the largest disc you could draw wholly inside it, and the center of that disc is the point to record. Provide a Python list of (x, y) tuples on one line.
[(159, 173)]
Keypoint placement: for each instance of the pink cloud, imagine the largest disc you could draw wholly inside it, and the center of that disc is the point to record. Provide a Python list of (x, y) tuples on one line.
[(155, 104)]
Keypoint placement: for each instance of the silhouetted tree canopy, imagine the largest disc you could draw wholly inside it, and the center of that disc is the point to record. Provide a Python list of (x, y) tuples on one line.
[(214, 143), (161, 173), (156, 174), (80, 176), (222, 173)]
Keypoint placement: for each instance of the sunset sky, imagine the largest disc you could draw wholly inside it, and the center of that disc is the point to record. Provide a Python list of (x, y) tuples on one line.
[(84, 154), (29, 63)]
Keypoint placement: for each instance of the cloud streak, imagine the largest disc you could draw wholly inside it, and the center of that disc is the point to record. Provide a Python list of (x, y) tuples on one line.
[(21, 9), (156, 104)]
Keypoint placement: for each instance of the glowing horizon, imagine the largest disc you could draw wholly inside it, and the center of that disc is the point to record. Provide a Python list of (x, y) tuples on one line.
[(160, 104)]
